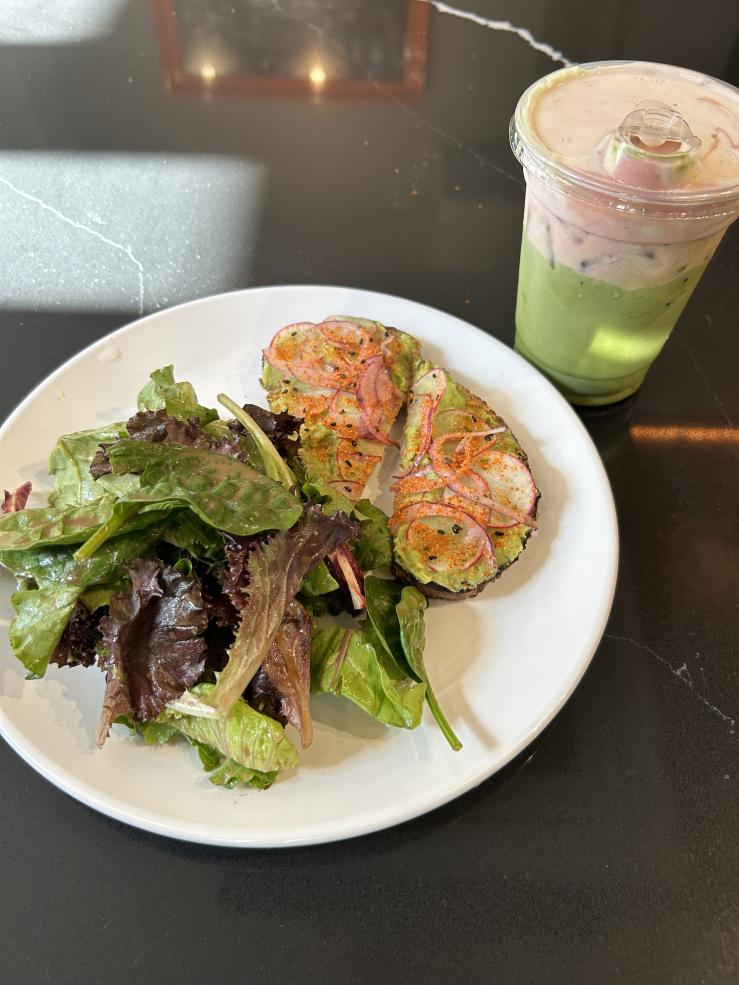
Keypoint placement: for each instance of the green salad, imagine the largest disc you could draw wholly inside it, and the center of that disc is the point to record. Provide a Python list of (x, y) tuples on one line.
[(185, 556)]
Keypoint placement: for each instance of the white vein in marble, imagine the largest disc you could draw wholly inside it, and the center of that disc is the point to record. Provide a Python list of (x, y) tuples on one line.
[(506, 26), (682, 674), (403, 107), (124, 232)]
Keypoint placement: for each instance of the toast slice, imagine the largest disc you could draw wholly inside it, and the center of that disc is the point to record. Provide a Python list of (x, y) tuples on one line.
[(465, 499), (347, 379)]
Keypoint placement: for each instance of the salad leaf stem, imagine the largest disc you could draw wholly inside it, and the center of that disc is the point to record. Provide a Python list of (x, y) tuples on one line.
[(446, 730), (274, 466), (111, 526)]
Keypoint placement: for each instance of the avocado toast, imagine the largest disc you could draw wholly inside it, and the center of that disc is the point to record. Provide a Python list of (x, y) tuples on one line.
[(465, 499), (347, 379)]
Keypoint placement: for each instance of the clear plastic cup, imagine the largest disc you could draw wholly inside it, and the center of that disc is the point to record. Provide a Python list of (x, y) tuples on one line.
[(632, 178)]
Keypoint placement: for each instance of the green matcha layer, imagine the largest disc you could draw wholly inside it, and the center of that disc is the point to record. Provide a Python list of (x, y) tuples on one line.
[(594, 339)]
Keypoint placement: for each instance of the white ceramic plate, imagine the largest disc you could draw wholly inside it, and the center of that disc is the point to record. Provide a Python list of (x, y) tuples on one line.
[(503, 664)]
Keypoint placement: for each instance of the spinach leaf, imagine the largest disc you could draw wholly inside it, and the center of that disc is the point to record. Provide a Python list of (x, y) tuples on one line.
[(222, 491), (382, 596), (410, 610), (178, 399), (374, 549), (69, 465), (396, 613), (355, 664), (50, 526)]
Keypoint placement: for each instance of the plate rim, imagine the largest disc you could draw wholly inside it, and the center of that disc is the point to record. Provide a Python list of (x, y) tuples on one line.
[(374, 821)]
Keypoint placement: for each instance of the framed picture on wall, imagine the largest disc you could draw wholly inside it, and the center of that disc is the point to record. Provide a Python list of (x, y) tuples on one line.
[(352, 49)]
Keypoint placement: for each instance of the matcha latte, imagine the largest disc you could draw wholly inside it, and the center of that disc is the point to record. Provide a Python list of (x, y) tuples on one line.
[(632, 177)]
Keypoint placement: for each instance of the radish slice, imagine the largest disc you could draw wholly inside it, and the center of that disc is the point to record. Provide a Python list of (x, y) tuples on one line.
[(419, 482), (286, 344), (346, 334), (344, 414), (471, 439), (426, 395), (374, 392), (300, 351), (347, 572), (511, 488), (446, 539), (466, 505)]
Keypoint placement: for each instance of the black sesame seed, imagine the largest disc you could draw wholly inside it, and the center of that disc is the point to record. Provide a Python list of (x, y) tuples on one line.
[(432, 557), (499, 533), (456, 528)]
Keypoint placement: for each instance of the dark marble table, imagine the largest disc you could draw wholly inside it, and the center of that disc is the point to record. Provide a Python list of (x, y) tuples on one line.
[(146, 161)]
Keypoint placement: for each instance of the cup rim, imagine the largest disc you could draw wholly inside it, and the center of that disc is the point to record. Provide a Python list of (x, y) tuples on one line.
[(536, 158)]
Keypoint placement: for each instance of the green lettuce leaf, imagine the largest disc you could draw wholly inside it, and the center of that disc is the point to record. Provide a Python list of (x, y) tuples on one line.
[(354, 663), (275, 570), (250, 739), (224, 771), (230, 773), (331, 500), (52, 582), (319, 582), (187, 532), (178, 399)]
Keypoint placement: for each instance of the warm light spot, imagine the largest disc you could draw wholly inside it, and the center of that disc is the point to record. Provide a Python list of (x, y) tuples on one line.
[(695, 433), (317, 76), (208, 72)]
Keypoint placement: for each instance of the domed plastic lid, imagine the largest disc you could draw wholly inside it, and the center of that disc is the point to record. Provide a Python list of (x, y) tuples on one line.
[(650, 138)]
